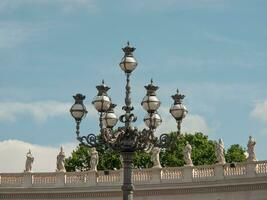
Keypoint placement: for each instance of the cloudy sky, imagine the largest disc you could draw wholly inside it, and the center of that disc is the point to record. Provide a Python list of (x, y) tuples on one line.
[(214, 51)]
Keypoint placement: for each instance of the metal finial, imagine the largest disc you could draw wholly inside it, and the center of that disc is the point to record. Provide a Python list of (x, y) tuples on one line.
[(178, 98), (151, 89), (79, 98), (103, 82), (128, 50), (102, 89)]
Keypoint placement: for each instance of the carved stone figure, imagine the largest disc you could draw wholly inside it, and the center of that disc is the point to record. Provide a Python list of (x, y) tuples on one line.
[(94, 159), (187, 154), (29, 161), (251, 149), (155, 157), (60, 161), (220, 152)]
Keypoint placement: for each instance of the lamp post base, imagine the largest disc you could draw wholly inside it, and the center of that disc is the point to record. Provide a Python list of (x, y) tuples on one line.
[(127, 187)]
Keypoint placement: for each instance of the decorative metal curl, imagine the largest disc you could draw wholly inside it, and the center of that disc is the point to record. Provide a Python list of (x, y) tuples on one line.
[(89, 140), (129, 139), (130, 118), (163, 141)]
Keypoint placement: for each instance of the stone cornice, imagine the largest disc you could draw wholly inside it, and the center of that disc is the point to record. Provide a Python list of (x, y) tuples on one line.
[(253, 184)]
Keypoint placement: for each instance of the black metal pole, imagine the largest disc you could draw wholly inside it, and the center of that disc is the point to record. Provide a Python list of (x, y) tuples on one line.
[(127, 187), (179, 127)]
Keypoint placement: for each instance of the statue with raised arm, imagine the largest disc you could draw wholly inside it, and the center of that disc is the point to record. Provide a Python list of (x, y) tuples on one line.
[(61, 161), (94, 159), (220, 152), (155, 157), (187, 154), (29, 161), (251, 149)]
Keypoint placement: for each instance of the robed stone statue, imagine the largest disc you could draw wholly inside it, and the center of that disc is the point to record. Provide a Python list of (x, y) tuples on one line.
[(187, 154), (94, 159), (155, 157), (251, 150), (29, 161), (220, 152), (61, 161)]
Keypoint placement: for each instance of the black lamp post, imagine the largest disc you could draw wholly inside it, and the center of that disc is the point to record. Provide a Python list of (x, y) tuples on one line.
[(125, 139)]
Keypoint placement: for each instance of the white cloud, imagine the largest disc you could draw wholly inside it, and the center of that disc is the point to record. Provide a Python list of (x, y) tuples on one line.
[(13, 156), (195, 123), (40, 111), (260, 111), (191, 124)]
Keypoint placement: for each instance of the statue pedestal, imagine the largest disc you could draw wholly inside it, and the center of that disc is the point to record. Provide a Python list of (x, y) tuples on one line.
[(91, 178), (187, 173), (218, 172), (27, 176), (156, 174), (60, 179), (251, 169)]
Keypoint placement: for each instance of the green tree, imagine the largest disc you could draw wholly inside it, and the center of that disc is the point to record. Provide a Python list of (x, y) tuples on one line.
[(203, 150), (142, 160), (79, 160), (235, 153)]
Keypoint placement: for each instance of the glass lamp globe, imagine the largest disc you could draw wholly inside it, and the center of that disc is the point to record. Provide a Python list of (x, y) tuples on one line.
[(110, 120), (101, 103), (128, 64), (78, 111), (178, 111), (152, 120), (150, 103)]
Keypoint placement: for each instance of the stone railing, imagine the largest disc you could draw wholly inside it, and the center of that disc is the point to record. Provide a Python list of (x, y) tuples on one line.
[(143, 176)]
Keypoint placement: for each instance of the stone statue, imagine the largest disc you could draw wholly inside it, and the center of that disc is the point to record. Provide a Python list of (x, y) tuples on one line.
[(94, 159), (187, 154), (251, 149), (155, 157), (29, 161), (60, 161), (220, 152)]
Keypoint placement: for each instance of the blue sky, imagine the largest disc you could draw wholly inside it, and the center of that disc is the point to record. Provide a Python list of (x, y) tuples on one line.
[(214, 51)]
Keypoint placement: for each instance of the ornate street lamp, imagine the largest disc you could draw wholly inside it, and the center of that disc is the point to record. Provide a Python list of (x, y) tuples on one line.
[(178, 110), (126, 139)]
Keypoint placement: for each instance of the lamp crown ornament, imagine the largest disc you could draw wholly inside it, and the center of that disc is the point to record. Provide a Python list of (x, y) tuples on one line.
[(151, 88), (128, 50), (102, 89), (79, 98), (178, 98)]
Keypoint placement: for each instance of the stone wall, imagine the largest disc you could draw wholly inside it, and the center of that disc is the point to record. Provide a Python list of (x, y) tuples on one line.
[(243, 181)]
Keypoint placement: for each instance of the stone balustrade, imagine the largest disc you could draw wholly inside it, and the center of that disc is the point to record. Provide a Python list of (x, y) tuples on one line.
[(140, 176)]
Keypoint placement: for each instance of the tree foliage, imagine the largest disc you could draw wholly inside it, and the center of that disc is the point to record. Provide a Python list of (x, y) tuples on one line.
[(203, 150), (235, 153), (79, 160), (203, 153)]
